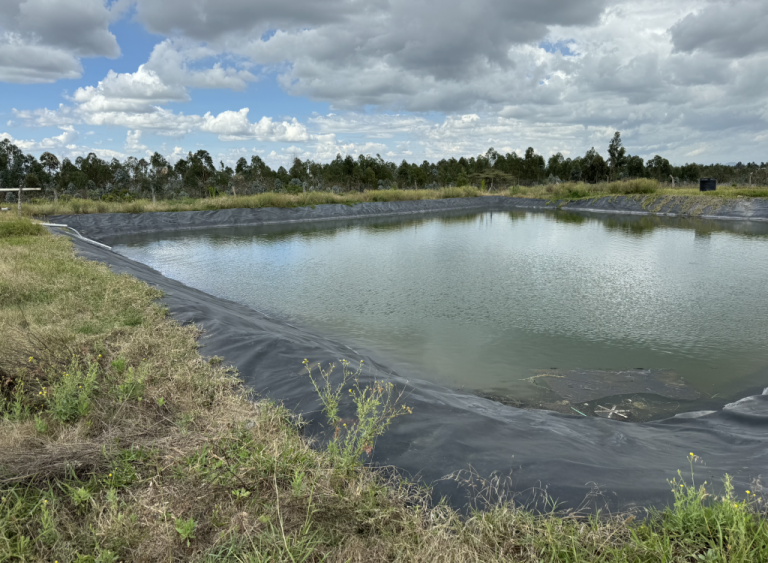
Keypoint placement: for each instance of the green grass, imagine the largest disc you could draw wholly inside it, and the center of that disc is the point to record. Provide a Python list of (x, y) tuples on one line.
[(120, 443), (20, 227)]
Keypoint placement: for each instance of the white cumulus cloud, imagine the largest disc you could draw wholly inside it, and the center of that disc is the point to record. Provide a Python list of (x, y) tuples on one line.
[(65, 140)]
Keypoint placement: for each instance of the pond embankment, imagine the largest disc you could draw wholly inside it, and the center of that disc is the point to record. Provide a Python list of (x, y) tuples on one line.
[(451, 431), (110, 225)]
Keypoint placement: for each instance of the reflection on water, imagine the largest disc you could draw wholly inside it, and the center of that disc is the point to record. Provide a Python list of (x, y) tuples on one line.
[(485, 301)]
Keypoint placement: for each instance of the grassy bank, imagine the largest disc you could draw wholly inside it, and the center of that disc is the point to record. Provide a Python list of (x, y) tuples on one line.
[(77, 206), (118, 442), (640, 188)]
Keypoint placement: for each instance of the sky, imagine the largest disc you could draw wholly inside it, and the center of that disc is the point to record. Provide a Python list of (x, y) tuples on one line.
[(415, 80)]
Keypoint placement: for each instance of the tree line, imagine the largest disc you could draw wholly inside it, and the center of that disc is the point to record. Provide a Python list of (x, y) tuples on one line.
[(198, 176)]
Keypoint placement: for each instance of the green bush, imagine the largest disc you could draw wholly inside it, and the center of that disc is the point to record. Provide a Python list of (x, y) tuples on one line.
[(294, 189), (19, 227)]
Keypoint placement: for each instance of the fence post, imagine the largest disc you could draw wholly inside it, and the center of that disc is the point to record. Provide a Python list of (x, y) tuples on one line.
[(21, 186)]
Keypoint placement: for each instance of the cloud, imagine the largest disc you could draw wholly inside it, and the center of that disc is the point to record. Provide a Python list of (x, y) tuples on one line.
[(371, 125), (78, 26), (176, 63), (228, 125), (65, 140), (435, 80), (724, 29), (43, 40), (409, 54), (24, 63), (234, 125), (138, 92), (177, 154), (164, 78), (208, 21), (133, 142)]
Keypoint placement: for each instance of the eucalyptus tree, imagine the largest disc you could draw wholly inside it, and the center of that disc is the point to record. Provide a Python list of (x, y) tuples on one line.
[(557, 167), (594, 168), (51, 166), (196, 171), (223, 177), (659, 168), (241, 167), (690, 172), (617, 155), (575, 172), (534, 165), (72, 177), (13, 164), (159, 174), (635, 167)]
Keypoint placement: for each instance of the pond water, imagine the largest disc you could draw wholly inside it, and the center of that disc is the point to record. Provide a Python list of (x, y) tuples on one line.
[(486, 302)]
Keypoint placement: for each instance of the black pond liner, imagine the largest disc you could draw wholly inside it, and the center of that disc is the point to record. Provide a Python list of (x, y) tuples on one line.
[(585, 462)]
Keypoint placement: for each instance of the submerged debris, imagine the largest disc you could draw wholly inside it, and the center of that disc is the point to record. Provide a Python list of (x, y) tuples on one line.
[(581, 385), (608, 413)]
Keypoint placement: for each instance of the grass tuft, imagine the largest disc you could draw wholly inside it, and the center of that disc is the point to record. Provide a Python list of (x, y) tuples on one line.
[(19, 227)]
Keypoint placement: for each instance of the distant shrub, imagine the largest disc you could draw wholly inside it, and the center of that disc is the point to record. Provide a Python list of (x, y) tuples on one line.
[(637, 186), (294, 187), (463, 191)]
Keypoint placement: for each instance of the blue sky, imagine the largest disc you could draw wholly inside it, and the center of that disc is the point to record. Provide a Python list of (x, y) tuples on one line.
[(408, 80)]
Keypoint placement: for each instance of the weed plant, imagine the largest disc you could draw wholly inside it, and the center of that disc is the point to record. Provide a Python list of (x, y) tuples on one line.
[(70, 397), (118, 442), (375, 405)]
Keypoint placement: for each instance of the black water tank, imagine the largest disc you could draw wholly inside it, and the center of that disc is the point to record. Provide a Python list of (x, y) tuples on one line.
[(707, 185)]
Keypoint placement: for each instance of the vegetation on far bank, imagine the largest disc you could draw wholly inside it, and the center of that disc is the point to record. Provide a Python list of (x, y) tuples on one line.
[(67, 206), (198, 177), (651, 190), (118, 442), (642, 187)]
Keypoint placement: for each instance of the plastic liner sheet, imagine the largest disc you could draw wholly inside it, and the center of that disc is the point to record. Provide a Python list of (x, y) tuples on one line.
[(578, 461), (588, 385), (108, 227)]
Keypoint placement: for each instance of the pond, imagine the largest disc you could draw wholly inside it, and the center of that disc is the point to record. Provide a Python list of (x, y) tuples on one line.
[(519, 307)]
